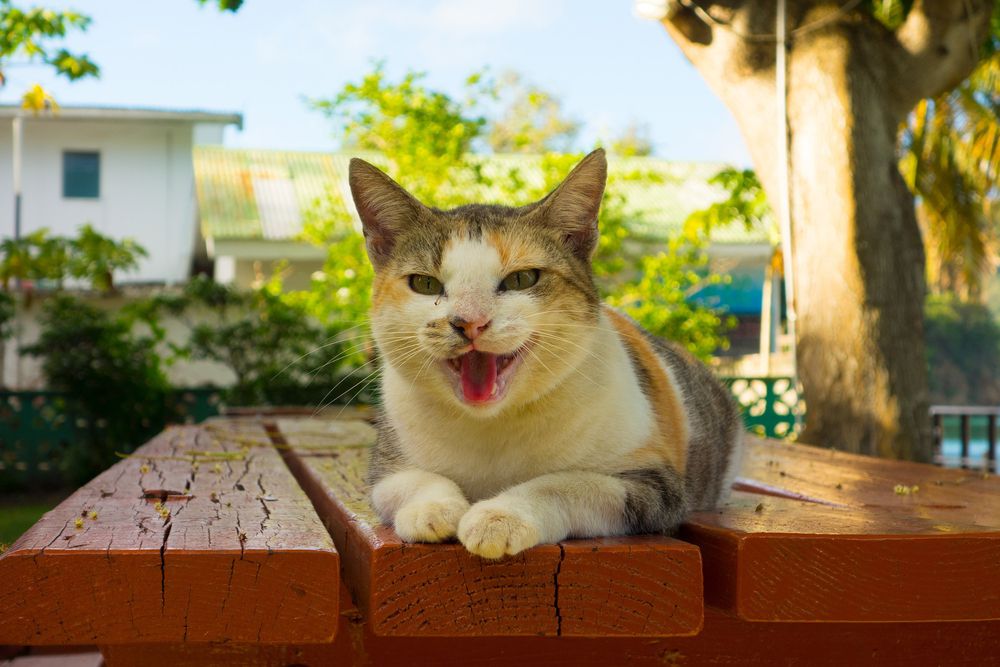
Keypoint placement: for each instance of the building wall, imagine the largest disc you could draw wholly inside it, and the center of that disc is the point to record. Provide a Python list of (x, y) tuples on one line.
[(146, 187)]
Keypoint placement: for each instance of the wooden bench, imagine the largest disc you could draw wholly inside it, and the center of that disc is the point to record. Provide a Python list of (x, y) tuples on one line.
[(212, 545)]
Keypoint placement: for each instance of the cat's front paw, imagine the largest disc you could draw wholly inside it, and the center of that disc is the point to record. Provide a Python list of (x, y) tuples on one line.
[(493, 529), (429, 520)]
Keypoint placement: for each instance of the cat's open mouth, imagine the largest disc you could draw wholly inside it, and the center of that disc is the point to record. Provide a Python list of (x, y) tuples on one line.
[(481, 377)]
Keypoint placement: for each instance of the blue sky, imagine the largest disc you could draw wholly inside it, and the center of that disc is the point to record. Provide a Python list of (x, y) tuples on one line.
[(607, 66)]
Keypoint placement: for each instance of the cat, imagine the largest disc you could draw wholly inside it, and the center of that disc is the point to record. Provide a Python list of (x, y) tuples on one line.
[(516, 408)]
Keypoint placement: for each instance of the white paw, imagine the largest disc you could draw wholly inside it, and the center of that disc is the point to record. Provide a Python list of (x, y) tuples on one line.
[(492, 529), (429, 520)]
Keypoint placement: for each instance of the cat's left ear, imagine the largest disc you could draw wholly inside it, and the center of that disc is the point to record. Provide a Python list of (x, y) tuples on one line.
[(572, 207), (384, 207)]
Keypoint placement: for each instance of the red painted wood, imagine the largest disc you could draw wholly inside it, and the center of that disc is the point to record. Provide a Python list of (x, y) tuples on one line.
[(725, 640), (827, 537), (228, 549), (641, 586)]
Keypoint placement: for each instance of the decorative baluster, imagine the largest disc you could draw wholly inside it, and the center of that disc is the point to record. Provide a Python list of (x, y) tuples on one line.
[(991, 442), (964, 421), (937, 433)]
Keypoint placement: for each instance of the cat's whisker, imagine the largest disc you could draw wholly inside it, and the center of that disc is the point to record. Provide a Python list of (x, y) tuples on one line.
[(552, 337), (539, 360), (371, 377), (557, 325), (324, 403), (333, 339), (560, 311), (423, 366), (549, 346), (303, 356), (354, 350)]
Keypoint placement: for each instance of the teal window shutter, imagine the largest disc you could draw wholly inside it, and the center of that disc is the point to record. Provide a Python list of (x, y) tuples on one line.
[(81, 174)]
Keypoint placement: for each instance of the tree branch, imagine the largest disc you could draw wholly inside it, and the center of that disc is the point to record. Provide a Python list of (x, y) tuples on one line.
[(941, 42)]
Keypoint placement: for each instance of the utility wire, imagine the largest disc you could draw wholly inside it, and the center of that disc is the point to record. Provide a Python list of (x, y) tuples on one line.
[(705, 16)]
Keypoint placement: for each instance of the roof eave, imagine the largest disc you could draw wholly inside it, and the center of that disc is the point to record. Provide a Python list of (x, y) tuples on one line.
[(126, 113)]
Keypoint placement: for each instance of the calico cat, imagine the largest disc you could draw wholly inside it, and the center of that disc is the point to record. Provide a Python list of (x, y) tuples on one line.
[(517, 409)]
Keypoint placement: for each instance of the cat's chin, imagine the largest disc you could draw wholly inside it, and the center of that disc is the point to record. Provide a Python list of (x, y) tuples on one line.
[(481, 379)]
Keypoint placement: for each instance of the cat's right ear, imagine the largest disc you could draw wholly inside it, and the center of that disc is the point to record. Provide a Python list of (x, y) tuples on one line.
[(384, 207)]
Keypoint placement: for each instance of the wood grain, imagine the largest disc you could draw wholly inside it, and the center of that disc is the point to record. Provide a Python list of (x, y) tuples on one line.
[(642, 586), (725, 641), (820, 535), (173, 546)]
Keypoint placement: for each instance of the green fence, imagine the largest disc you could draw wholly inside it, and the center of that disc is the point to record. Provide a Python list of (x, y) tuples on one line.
[(772, 406), (36, 431)]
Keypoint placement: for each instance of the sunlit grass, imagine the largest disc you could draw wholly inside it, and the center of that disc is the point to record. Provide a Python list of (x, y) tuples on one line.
[(17, 514)]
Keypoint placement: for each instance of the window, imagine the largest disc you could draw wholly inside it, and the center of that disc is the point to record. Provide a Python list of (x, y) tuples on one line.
[(81, 174)]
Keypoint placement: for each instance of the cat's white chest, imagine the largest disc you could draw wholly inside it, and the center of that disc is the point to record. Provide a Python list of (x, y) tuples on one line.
[(590, 429)]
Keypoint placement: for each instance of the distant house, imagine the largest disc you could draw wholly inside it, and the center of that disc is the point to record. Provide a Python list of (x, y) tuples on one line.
[(127, 171), (252, 203)]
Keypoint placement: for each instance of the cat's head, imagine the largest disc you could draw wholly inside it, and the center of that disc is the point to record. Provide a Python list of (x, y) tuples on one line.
[(483, 306)]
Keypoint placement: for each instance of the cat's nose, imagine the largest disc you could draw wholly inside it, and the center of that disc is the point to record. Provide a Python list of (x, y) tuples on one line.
[(469, 329)]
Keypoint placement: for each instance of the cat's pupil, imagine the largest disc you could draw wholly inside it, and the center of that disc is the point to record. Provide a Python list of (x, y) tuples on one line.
[(520, 280), (428, 285)]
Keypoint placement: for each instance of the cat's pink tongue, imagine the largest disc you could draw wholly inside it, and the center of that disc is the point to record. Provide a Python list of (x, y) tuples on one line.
[(479, 376)]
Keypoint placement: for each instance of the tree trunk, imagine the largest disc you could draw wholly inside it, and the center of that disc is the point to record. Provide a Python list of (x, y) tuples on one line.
[(858, 254)]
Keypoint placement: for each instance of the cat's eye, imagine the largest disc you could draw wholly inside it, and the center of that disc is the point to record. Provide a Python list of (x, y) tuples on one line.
[(428, 285), (519, 280)]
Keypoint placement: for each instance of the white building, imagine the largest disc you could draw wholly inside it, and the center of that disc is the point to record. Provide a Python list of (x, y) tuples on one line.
[(126, 171)]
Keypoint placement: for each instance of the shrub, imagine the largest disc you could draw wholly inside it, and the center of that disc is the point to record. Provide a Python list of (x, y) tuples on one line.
[(963, 351), (276, 350), (116, 391)]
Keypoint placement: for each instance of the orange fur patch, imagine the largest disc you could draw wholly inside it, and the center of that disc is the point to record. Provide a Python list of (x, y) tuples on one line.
[(669, 444), (388, 289), (515, 252)]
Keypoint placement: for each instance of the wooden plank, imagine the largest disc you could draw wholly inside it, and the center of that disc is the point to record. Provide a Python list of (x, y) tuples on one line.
[(173, 546), (642, 586), (725, 640), (828, 536), (962, 497)]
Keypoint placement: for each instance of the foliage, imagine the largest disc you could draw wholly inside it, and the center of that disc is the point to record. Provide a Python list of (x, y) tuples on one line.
[(633, 140), (96, 257), (224, 5), (115, 385), (745, 203), (950, 158), (35, 35), (963, 351), (422, 134), (268, 341), (89, 256), (660, 299), (951, 161), (424, 138), (531, 119), (7, 313)]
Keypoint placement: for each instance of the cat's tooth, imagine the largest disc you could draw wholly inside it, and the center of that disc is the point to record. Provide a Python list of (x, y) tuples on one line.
[(494, 392)]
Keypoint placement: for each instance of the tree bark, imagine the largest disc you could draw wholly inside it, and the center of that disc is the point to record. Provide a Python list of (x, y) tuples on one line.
[(858, 253)]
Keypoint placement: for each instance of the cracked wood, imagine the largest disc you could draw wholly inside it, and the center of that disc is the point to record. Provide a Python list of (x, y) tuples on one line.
[(820, 535), (221, 544), (724, 641), (639, 586)]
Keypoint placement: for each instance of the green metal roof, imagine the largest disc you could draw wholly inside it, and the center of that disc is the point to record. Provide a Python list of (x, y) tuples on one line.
[(262, 194)]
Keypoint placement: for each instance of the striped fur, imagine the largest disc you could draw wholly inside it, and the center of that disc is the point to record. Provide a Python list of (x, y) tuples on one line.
[(597, 428)]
